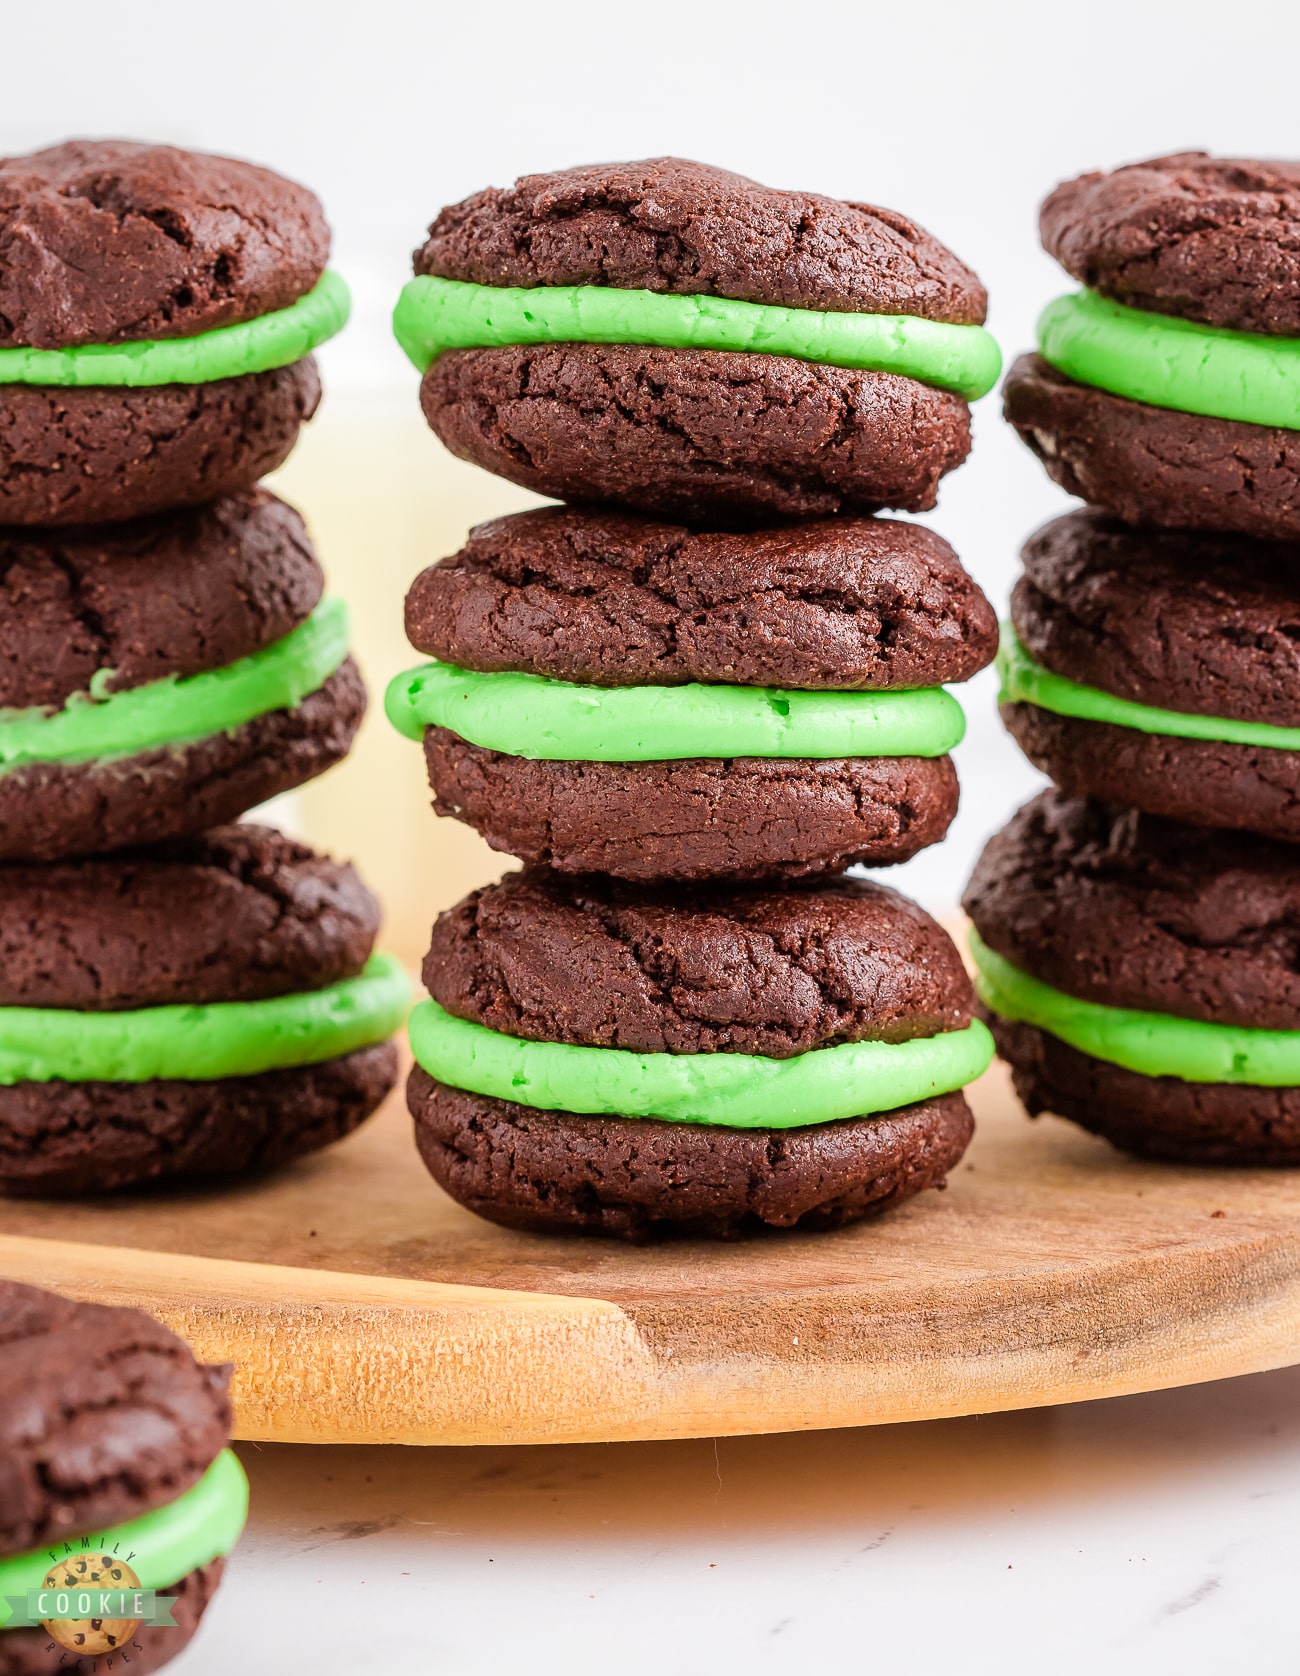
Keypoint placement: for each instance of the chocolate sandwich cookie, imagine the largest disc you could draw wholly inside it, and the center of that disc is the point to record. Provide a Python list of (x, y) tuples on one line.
[(1168, 391), (619, 696), (158, 309), (602, 1059), (1140, 978), (117, 1481), (1159, 669), (163, 676), (205, 1008), (676, 339)]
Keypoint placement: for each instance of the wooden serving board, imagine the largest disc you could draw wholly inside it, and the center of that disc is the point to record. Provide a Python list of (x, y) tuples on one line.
[(361, 1305)]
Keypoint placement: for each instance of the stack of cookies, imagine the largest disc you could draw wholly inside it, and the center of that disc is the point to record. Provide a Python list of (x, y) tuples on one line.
[(691, 697), (178, 996), (1138, 927)]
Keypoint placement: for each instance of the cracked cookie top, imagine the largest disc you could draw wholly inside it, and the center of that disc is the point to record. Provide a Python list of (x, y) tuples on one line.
[(1122, 908), (846, 603), (241, 913), (757, 971), (176, 594), (110, 241), (104, 1414), (671, 225)]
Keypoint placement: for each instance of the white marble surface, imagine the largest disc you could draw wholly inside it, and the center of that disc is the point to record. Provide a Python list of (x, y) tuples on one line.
[(1145, 1534)]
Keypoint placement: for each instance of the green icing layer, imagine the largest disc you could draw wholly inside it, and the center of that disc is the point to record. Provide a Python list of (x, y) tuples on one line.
[(1026, 682), (559, 721), (1153, 1044), (195, 1043), (161, 1546), (731, 1090), (98, 726), (433, 315), (272, 340), (1173, 363)]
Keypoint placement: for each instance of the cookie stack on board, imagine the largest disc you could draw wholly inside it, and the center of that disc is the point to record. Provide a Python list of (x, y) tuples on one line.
[(1138, 927), (178, 996), (689, 698)]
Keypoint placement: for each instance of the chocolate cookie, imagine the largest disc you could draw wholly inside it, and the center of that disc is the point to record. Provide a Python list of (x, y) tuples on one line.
[(1155, 465), (104, 1416), (777, 973), (1115, 909), (109, 242), (663, 410), (1213, 239), (846, 603), (1200, 626), (240, 921), (117, 614), (743, 817)]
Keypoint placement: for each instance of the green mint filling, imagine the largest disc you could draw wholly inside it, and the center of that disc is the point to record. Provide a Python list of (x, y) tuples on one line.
[(560, 721), (1172, 363), (197, 1043), (161, 1546), (270, 341), (1024, 681), (434, 315), (99, 726), (730, 1090), (1152, 1044)]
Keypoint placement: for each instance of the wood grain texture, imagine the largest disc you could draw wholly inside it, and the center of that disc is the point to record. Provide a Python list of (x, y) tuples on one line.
[(360, 1304)]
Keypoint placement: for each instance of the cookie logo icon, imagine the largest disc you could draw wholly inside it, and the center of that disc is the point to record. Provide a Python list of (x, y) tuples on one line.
[(77, 1585)]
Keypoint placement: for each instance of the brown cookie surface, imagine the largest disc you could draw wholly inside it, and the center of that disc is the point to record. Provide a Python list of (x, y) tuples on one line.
[(549, 1172), (49, 811), (111, 241), (104, 1414), (703, 436), (587, 596), (704, 818), (1131, 911), (668, 224), (172, 595), (1154, 465), (100, 454), (59, 1139), (1198, 623), (239, 913), (30, 1652), (1205, 782), (775, 972), (1214, 239)]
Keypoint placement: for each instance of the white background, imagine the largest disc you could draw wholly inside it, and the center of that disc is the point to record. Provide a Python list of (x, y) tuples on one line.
[(960, 114)]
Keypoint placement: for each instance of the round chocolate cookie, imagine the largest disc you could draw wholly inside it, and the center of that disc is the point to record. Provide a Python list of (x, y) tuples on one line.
[(1212, 239), (104, 1416), (1155, 465), (1112, 908), (699, 432), (1196, 625), (772, 973), (702, 818), (101, 453), (840, 604)]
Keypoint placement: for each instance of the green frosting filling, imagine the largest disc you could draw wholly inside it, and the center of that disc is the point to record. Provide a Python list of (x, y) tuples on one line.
[(161, 1546), (559, 721), (195, 1043), (98, 725), (1166, 362), (1153, 1044), (731, 1090), (272, 340), (1026, 682), (433, 315)]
